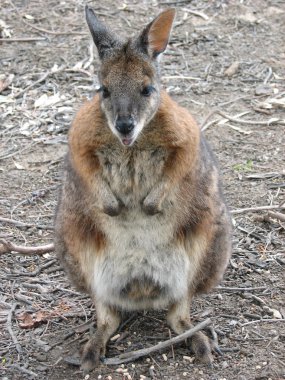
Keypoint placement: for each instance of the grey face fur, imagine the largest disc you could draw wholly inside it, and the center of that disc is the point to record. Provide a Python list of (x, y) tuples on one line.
[(129, 77)]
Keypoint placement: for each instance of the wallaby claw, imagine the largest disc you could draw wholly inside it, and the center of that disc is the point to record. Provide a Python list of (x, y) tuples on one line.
[(213, 339), (150, 209)]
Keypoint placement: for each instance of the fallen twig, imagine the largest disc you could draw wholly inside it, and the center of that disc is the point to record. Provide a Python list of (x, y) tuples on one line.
[(8, 247), (277, 215), (17, 223), (236, 289), (271, 121), (252, 122), (262, 320), (9, 328), (261, 208), (23, 369), (42, 78), (23, 39), (196, 13), (133, 355)]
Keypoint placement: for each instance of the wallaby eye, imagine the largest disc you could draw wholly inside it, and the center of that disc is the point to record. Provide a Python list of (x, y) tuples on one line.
[(105, 92), (147, 91)]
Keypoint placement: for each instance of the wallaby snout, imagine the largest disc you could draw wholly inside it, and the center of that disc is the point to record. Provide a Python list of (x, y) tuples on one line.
[(125, 124)]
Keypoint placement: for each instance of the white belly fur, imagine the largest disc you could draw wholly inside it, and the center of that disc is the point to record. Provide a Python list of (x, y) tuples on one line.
[(140, 247)]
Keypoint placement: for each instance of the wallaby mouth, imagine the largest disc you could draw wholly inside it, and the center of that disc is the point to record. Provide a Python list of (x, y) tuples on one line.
[(127, 141), (125, 126)]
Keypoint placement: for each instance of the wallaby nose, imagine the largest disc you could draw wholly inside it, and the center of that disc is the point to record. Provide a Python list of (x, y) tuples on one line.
[(125, 124)]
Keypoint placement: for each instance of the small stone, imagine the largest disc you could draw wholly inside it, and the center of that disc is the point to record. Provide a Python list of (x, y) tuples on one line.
[(184, 373), (115, 337), (142, 377), (224, 364), (232, 69), (263, 89), (133, 366), (188, 358), (99, 377), (264, 363), (147, 360), (258, 367), (201, 372), (87, 377), (164, 357)]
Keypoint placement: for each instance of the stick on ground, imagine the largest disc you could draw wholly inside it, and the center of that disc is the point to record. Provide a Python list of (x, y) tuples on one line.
[(133, 355), (261, 208), (8, 247)]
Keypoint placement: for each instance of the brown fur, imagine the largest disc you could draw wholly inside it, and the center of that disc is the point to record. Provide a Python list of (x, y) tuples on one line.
[(116, 198)]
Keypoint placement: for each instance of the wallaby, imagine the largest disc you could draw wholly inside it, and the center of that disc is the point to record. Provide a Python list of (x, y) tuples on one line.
[(141, 221)]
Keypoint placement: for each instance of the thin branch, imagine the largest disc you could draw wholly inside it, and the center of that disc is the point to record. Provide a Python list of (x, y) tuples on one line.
[(23, 39), (9, 328), (8, 247), (133, 355), (261, 208), (23, 369), (277, 215), (42, 78), (236, 289), (196, 13), (166, 77), (262, 320), (17, 223), (271, 121)]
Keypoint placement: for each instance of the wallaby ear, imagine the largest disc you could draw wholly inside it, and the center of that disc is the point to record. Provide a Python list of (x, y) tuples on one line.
[(103, 38), (154, 38)]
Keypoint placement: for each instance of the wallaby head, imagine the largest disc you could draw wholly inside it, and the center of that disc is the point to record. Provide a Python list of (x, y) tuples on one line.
[(129, 73)]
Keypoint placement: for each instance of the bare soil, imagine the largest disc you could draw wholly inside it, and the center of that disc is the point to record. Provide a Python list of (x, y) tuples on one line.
[(43, 320)]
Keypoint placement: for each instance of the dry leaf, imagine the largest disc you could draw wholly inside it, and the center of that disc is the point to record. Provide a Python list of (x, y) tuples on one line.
[(19, 166), (46, 101), (232, 69), (6, 99), (29, 321), (248, 17), (5, 31), (5, 81)]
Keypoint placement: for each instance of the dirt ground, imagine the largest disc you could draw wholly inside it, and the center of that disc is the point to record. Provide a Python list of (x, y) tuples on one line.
[(225, 56)]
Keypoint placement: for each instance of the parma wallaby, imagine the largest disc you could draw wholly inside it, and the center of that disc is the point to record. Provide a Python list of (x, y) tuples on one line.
[(141, 222)]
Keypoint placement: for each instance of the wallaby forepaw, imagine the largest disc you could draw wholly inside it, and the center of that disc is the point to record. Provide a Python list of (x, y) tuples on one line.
[(113, 208), (91, 356), (150, 208)]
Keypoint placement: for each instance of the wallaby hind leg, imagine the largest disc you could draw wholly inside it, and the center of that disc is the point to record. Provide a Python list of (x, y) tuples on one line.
[(179, 320), (108, 320)]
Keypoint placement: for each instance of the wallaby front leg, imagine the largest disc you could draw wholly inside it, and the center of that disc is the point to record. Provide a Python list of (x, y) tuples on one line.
[(153, 201), (108, 320), (175, 168), (108, 203)]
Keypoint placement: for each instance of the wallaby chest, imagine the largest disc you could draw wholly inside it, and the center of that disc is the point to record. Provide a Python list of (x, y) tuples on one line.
[(132, 172)]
